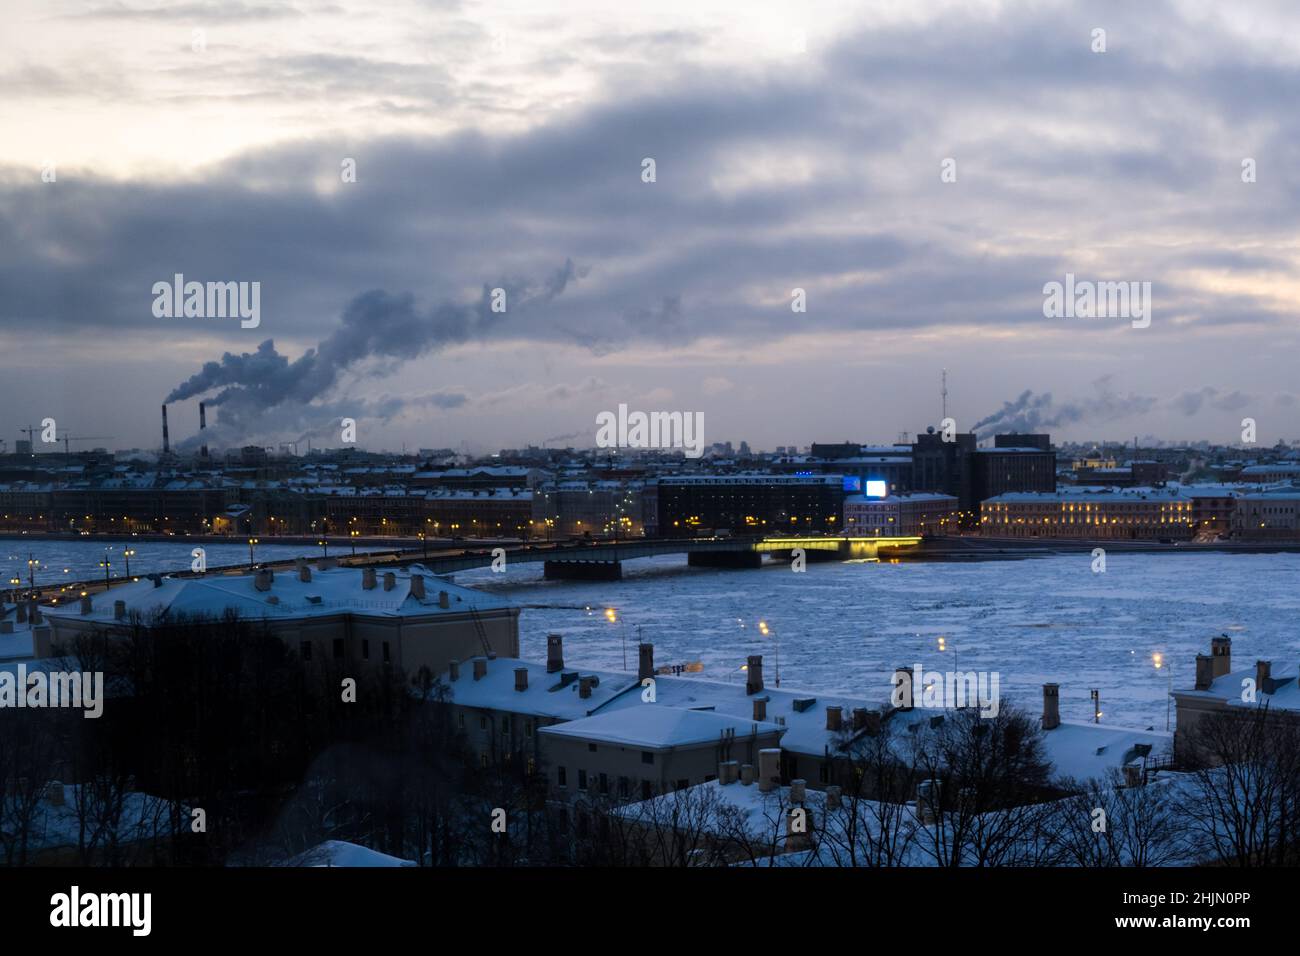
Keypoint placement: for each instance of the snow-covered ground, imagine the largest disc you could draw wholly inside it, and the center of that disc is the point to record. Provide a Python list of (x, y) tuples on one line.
[(845, 626)]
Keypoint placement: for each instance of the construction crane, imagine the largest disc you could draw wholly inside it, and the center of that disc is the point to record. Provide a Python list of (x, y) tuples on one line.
[(66, 439)]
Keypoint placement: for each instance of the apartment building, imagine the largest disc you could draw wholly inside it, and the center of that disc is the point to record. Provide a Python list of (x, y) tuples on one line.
[(1157, 514)]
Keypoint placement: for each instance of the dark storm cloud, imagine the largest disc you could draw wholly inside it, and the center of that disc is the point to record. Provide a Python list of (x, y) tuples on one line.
[(820, 173)]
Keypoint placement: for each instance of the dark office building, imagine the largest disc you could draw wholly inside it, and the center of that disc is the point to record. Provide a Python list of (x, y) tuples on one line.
[(744, 504), (971, 475)]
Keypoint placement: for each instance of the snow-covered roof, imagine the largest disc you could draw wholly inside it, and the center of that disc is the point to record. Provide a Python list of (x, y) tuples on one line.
[(341, 853), (657, 727), (330, 592)]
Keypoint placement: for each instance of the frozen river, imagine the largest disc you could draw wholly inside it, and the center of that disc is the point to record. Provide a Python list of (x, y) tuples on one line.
[(845, 626)]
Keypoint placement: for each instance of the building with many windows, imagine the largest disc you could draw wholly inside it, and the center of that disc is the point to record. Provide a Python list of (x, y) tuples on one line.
[(1158, 514), (686, 505), (911, 515)]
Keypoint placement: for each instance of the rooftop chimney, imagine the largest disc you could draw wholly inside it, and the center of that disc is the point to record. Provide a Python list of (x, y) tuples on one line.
[(390, 580), (521, 678), (453, 670), (747, 774), (554, 653), (798, 791), (728, 772), (480, 668), (1051, 706), (263, 578), (760, 708), (585, 684), (754, 674), (646, 662), (417, 586), (167, 445), (326, 564), (1221, 651), (304, 570), (903, 687), (368, 579), (119, 610), (769, 769), (444, 600), (834, 715), (796, 829), (1264, 676), (1204, 671), (85, 604), (834, 795)]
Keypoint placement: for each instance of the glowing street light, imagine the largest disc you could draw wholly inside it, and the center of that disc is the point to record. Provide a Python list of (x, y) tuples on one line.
[(128, 554), (1158, 660), (251, 543)]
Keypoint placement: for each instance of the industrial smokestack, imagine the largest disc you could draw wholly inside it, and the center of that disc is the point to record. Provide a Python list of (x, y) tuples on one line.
[(167, 445), (203, 426)]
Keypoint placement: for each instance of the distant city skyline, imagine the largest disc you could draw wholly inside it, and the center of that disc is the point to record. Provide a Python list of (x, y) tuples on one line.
[(921, 172)]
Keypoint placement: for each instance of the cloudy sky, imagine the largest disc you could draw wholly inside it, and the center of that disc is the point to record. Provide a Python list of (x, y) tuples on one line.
[(502, 146)]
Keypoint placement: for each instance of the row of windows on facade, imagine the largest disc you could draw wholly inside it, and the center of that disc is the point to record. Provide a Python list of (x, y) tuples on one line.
[(305, 649)]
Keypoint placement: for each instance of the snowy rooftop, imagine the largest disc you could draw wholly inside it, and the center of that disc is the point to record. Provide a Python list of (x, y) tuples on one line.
[(655, 727), (1229, 688), (1075, 750), (334, 591), (333, 853)]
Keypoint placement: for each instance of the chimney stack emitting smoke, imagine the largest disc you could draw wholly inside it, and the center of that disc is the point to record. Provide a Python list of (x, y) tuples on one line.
[(203, 426), (167, 445)]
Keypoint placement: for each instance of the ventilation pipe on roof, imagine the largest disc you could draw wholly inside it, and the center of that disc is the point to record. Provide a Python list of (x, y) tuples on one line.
[(304, 570), (417, 586), (1264, 676), (390, 580), (263, 579), (834, 718), (554, 653), (480, 668), (444, 600), (1204, 671), (1051, 706), (521, 678), (1221, 651), (368, 579), (646, 662)]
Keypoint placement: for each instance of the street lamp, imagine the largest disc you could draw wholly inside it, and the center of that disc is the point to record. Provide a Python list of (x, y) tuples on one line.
[(424, 544), (611, 615), (32, 565), (766, 632), (354, 533), (1159, 660), (127, 555), (251, 543), (324, 543), (1096, 706)]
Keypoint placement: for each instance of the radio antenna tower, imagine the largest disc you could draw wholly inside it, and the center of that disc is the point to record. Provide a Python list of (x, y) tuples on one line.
[(945, 393)]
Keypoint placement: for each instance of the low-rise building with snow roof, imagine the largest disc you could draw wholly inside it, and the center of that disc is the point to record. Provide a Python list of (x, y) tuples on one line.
[(407, 617)]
